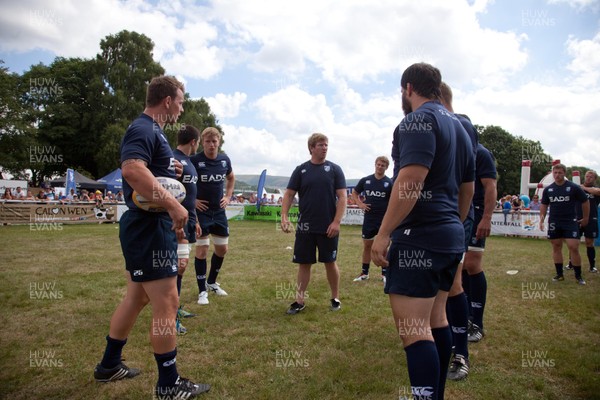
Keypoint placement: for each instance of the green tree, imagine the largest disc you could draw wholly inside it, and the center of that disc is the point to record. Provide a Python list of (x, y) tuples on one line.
[(196, 113), (507, 154), (60, 95), (510, 152), (74, 112), (15, 132), (125, 67)]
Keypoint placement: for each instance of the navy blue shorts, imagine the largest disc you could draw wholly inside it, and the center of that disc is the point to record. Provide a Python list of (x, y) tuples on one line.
[(415, 272), (563, 230), (149, 245), (190, 231), (591, 229), (370, 227), (473, 241), (214, 222), (468, 225), (307, 244)]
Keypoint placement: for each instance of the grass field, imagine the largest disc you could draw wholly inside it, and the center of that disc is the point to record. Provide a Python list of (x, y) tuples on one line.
[(60, 287)]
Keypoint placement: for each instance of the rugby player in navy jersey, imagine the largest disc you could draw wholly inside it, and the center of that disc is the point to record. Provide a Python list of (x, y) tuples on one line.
[(561, 197), (188, 139), (149, 244), (376, 188), (321, 188), (484, 202), (214, 173), (457, 307), (430, 199), (590, 232)]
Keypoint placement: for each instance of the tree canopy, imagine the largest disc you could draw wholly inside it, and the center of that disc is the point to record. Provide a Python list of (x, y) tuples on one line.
[(74, 112)]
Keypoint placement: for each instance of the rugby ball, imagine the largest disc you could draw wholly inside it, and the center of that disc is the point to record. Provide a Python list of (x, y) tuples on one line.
[(173, 186)]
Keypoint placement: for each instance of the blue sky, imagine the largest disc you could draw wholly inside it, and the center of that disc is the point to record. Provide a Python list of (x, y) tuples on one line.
[(275, 71)]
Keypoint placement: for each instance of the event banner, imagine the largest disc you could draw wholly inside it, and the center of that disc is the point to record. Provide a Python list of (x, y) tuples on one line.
[(268, 213), (53, 214), (353, 216), (525, 223)]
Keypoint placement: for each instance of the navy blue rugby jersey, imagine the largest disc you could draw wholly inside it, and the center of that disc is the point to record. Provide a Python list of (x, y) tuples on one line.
[(433, 137), (145, 140), (594, 201), (395, 154), (377, 193), (471, 131), (474, 138), (562, 200), (189, 177), (212, 175), (465, 122), (485, 168), (316, 185)]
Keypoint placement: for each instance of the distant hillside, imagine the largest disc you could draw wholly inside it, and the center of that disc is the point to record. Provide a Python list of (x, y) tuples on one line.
[(273, 181)]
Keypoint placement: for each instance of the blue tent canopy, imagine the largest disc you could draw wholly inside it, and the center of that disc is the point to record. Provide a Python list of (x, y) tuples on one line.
[(113, 181)]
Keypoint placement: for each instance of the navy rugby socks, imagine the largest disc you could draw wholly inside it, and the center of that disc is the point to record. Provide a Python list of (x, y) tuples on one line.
[(200, 265), (365, 269), (112, 353), (167, 368), (458, 312), (215, 266), (423, 368), (478, 297), (559, 269), (443, 344), (591, 255)]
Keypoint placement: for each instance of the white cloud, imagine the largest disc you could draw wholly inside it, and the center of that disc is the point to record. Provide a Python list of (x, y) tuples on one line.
[(579, 5), (361, 41), (558, 117), (586, 61), (252, 150), (226, 106), (293, 110)]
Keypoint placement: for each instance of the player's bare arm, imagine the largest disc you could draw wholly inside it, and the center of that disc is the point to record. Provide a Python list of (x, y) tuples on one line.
[(139, 177), (591, 190), (288, 198), (230, 183), (484, 228), (359, 202), (178, 168), (405, 192), (340, 209), (585, 208), (543, 210), (465, 196)]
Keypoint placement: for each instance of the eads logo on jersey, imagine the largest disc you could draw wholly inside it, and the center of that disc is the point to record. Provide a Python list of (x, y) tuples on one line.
[(375, 193)]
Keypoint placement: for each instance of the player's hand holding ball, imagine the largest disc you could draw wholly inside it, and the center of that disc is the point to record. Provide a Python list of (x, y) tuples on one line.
[(171, 187)]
